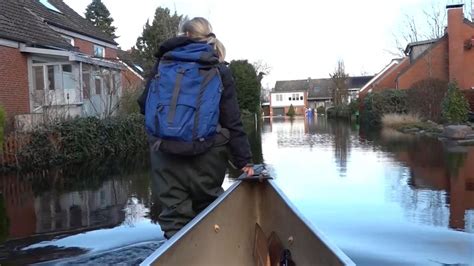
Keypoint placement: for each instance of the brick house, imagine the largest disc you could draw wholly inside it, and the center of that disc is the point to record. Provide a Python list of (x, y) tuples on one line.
[(309, 93), (54, 62), (450, 58), (132, 74)]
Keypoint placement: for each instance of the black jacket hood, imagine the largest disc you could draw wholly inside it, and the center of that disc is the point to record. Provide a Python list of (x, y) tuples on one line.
[(171, 44)]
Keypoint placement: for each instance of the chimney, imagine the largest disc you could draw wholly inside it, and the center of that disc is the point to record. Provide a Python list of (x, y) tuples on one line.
[(456, 43)]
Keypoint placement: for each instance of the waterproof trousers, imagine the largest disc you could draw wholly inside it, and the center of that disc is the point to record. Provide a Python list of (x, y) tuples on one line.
[(186, 185)]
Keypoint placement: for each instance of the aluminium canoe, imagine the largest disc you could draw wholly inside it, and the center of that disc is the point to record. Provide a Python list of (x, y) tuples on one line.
[(227, 232)]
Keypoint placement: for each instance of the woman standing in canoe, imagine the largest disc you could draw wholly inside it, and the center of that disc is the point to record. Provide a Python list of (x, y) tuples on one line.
[(192, 119)]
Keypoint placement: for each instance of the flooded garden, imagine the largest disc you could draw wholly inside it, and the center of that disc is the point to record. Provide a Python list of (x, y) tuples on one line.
[(383, 197)]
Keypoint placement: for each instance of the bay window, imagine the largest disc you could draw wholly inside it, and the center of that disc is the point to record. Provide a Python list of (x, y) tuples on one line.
[(54, 84)]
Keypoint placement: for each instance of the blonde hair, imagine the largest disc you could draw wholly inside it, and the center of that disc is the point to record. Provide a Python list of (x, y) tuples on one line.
[(200, 29)]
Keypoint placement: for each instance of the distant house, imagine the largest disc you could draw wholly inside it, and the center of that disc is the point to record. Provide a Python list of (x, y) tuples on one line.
[(54, 62), (450, 58), (287, 93), (309, 93), (132, 77)]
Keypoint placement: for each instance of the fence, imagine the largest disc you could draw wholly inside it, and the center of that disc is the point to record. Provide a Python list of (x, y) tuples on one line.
[(11, 146)]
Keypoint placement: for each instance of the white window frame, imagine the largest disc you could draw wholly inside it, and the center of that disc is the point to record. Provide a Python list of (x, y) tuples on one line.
[(100, 47), (69, 39), (45, 76)]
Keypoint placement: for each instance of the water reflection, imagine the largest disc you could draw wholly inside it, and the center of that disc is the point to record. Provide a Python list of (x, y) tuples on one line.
[(441, 179), (398, 193), (383, 197), (71, 211), (51, 205)]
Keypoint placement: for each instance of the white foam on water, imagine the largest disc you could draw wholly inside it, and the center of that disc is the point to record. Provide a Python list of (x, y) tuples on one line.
[(107, 239)]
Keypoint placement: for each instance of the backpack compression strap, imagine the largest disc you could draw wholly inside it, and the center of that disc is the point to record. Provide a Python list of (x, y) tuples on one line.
[(208, 76), (174, 100)]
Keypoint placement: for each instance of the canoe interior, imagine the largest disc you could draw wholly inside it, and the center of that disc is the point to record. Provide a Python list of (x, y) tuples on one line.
[(224, 234)]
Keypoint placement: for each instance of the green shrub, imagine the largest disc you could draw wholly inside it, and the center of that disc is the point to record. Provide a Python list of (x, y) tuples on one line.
[(82, 140), (354, 107), (386, 102), (291, 111), (455, 107), (321, 110), (340, 111), (128, 102)]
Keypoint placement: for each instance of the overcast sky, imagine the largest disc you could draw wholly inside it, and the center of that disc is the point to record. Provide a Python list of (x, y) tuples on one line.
[(297, 38)]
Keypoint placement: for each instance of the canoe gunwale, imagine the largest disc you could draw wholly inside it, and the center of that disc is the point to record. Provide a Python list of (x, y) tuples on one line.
[(188, 227), (180, 234)]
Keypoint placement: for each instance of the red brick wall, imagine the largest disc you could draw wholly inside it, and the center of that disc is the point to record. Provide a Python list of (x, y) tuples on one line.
[(110, 53), (455, 21), (88, 48), (469, 94), (468, 58), (84, 46), (130, 81), (433, 64), (461, 60), (14, 92), (387, 80)]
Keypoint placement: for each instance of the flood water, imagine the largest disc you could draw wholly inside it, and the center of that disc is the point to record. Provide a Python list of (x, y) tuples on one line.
[(384, 198)]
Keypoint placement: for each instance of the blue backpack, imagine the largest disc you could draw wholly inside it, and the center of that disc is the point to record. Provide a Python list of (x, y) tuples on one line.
[(182, 107)]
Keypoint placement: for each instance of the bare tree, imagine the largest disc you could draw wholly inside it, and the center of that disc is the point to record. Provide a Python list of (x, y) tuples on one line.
[(261, 69), (436, 21), (340, 89), (105, 101), (49, 109), (412, 30)]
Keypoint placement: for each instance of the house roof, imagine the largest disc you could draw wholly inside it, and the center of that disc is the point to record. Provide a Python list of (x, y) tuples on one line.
[(69, 20), (126, 58), (393, 65), (17, 23), (424, 53), (291, 85), (27, 21), (414, 44), (317, 88), (359, 82)]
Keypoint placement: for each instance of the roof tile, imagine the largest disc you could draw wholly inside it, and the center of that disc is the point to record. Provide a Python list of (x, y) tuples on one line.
[(27, 21)]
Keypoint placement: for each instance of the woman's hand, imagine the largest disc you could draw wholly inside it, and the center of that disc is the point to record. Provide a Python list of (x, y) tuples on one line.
[(248, 170)]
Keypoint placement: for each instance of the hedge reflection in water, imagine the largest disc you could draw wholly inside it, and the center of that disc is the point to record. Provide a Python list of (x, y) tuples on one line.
[(56, 203), (44, 205), (59, 202)]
